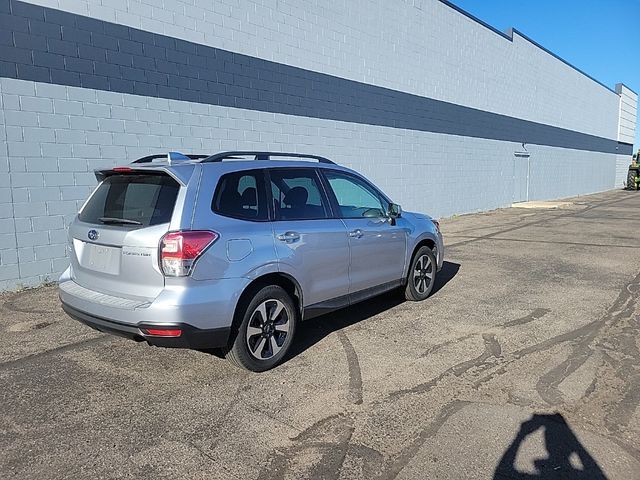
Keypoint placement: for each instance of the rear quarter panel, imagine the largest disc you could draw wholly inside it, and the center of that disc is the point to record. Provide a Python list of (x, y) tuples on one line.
[(244, 249)]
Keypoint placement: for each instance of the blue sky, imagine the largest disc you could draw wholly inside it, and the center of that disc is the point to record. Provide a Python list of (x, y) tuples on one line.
[(600, 37)]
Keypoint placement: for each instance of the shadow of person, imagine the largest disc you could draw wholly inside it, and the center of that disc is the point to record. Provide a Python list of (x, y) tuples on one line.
[(567, 458)]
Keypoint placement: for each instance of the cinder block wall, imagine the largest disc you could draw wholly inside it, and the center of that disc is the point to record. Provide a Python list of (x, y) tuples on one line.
[(426, 101)]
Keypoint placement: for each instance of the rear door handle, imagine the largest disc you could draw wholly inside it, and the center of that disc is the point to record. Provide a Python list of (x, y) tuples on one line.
[(357, 233), (288, 237)]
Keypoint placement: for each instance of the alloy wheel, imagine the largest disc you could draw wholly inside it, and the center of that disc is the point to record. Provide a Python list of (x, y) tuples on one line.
[(423, 274), (267, 329)]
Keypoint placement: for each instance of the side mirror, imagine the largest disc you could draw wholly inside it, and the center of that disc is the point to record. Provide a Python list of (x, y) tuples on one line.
[(395, 211)]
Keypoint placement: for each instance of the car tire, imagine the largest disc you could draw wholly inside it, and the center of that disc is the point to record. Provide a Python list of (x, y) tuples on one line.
[(266, 330), (631, 180), (421, 275)]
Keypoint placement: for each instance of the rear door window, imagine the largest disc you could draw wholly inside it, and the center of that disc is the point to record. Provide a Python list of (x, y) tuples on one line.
[(297, 194), (135, 200), (241, 195)]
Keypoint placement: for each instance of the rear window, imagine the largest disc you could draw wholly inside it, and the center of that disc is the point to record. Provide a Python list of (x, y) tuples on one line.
[(136, 200)]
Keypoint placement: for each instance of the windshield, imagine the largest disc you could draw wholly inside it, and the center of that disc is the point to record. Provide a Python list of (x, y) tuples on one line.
[(132, 200)]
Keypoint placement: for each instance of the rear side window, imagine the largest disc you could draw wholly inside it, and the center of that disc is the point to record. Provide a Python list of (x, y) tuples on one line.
[(241, 195), (136, 200), (296, 195)]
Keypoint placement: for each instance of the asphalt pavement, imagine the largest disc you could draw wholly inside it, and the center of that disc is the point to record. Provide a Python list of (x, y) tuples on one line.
[(525, 363)]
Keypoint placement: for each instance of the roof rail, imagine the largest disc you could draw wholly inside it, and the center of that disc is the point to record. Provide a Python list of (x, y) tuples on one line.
[(219, 157), (170, 157)]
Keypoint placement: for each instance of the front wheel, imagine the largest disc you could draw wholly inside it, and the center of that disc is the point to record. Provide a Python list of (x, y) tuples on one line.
[(266, 330), (421, 276)]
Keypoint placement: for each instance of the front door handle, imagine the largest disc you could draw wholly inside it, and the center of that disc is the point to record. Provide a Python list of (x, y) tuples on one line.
[(288, 237), (357, 233)]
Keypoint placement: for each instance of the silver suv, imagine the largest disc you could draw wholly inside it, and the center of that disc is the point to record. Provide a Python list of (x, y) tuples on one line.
[(232, 251)]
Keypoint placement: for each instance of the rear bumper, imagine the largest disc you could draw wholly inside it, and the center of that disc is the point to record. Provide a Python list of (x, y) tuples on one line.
[(191, 336)]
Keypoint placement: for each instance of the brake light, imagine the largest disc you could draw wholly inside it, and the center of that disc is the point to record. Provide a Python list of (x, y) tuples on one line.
[(162, 332), (437, 224), (180, 250), (122, 169)]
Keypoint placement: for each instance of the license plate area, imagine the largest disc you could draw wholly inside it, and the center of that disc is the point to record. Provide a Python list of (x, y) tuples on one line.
[(100, 258)]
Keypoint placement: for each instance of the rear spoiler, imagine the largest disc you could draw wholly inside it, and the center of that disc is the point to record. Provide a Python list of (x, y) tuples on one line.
[(181, 176), (138, 167)]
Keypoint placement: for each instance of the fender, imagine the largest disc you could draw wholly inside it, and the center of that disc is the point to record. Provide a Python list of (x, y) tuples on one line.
[(425, 236)]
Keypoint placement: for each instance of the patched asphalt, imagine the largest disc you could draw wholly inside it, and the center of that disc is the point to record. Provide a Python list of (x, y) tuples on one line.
[(525, 363)]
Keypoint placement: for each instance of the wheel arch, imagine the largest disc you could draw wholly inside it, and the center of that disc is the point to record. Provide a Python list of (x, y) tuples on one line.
[(284, 280), (423, 242)]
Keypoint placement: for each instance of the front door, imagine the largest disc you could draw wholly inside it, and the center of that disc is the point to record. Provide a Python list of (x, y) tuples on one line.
[(378, 248)]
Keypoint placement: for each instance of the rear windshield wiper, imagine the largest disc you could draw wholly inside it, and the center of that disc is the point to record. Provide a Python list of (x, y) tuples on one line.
[(119, 221)]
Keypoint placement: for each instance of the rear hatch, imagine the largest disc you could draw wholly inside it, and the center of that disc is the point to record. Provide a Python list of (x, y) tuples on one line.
[(115, 236)]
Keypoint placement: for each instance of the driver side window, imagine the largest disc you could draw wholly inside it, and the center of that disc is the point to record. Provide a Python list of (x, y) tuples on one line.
[(355, 198)]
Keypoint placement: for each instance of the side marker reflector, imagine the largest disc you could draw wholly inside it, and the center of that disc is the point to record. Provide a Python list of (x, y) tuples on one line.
[(162, 332)]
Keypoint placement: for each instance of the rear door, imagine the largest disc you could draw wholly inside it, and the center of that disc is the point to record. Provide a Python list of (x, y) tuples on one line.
[(116, 235), (377, 247), (310, 245)]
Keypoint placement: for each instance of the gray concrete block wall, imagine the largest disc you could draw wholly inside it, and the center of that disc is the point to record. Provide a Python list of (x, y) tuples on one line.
[(435, 173), (52, 136), (417, 46)]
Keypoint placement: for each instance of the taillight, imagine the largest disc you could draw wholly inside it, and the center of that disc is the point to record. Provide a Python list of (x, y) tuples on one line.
[(180, 250), (436, 223)]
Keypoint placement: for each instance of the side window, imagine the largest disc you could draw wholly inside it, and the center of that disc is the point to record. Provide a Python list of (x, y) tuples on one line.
[(356, 199), (296, 195), (241, 195)]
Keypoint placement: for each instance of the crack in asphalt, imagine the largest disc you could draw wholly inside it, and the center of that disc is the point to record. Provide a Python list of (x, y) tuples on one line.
[(492, 349), (582, 349), (436, 348), (547, 385), (355, 373), (328, 438), (400, 461), (537, 314), (341, 426)]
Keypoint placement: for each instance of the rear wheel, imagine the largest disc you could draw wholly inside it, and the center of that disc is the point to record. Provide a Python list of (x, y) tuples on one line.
[(266, 331), (631, 179), (421, 276)]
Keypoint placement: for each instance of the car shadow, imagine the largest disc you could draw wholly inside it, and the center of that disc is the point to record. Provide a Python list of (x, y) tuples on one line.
[(567, 458), (313, 331), (445, 275)]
